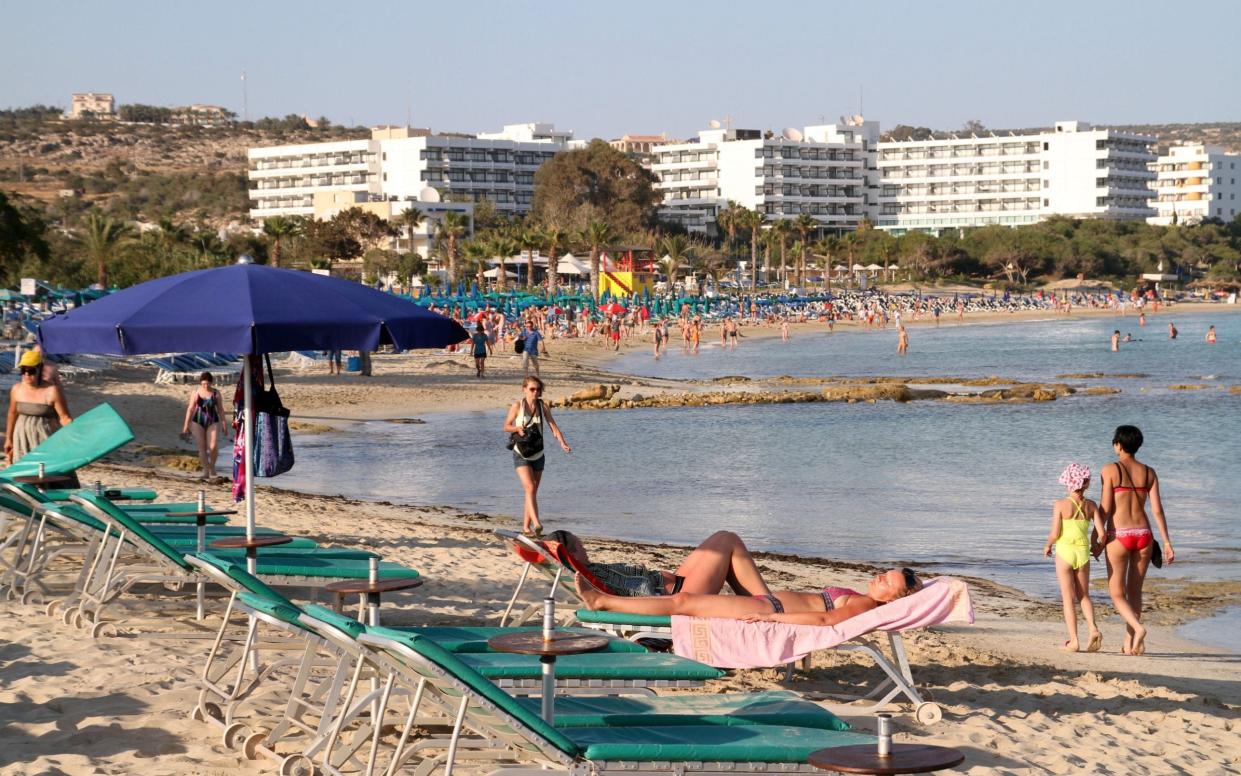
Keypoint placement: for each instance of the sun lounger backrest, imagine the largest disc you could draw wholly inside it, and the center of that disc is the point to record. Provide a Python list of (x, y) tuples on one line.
[(337, 620), (456, 669), (131, 526), (282, 612), (90, 436), (243, 580)]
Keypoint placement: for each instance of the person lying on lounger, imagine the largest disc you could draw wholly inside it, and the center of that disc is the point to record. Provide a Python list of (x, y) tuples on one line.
[(826, 607), (721, 559)]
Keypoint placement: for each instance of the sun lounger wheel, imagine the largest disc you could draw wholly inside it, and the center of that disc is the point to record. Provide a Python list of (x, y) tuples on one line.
[(253, 743), (928, 713), (234, 734), (208, 711), (66, 616), (297, 765), (28, 597)]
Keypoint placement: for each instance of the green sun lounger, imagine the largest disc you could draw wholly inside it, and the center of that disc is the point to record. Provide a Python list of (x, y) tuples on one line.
[(90, 436), (490, 715), (774, 707), (116, 494)]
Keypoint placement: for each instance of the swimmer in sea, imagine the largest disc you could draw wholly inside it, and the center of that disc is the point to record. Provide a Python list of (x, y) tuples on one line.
[(1211, 335), (1116, 341), (902, 341)]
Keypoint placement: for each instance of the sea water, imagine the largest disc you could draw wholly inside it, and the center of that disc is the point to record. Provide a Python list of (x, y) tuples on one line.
[(946, 487)]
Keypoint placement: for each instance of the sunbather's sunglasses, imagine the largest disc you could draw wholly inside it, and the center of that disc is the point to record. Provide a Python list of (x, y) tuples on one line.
[(911, 579), (29, 370)]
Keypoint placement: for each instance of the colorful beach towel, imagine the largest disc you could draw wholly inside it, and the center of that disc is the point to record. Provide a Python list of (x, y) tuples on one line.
[(736, 644)]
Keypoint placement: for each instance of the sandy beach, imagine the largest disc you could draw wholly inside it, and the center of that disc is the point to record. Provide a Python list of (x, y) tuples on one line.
[(1012, 702)]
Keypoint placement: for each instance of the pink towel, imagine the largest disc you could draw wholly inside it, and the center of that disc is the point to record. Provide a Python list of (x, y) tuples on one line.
[(736, 644)]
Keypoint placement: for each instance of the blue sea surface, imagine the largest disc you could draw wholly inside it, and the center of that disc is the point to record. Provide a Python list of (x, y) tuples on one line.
[(951, 488)]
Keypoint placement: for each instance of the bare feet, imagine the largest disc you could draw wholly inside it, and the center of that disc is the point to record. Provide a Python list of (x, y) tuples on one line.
[(587, 592), (1139, 641), (1068, 646), (1096, 642)]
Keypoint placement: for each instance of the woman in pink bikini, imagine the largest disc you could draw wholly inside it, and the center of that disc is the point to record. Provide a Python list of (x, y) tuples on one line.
[(1128, 485), (824, 607)]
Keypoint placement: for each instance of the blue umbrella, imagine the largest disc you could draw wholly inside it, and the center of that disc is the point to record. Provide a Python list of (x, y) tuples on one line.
[(248, 309)]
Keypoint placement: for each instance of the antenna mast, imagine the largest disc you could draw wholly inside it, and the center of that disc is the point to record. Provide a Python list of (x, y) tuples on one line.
[(245, 98)]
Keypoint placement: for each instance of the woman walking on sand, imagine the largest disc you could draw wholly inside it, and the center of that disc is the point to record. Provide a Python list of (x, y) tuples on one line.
[(1128, 485), (204, 419), (526, 418), (37, 409)]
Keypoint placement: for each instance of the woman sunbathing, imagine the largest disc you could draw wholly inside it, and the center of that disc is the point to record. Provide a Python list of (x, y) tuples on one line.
[(826, 607), (721, 559)]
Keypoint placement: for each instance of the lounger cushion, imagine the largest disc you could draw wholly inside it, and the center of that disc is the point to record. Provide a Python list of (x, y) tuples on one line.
[(474, 639), (777, 707), (281, 611), (650, 666), (159, 518), (184, 539), (706, 743), (623, 618), (128, 494), (314, 565)]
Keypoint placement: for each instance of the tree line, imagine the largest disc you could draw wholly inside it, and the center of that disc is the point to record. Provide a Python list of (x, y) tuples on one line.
[(588, 201)]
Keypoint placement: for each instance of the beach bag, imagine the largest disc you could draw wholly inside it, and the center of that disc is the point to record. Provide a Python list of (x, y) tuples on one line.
[(273, 444), (519, 345)]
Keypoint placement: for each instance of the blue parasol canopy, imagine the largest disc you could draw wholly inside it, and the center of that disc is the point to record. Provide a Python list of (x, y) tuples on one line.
[(246, 308)]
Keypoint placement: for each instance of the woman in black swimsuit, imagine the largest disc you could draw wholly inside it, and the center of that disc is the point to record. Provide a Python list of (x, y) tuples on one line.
[(204, 418)]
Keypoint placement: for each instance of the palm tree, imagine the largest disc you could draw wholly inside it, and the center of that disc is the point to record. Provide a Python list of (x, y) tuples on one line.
[(531, 240), (711, 262), (281, 228), (753, 220), (475, 253), (504, 247), (729, 219), (451, 228), (804, 224), (596, 235), (825, 250), (410, 219), (676, 250), (781, 230), (100, 239), (552, 238)]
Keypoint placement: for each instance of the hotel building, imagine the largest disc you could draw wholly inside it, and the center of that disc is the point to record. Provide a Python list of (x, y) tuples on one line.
[(1195, 182), (400, 163), (821, 171), (960, 182)]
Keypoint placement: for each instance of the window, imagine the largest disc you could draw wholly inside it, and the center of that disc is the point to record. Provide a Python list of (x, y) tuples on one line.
[(1046, 203), (1046, 165), (1046, 147)]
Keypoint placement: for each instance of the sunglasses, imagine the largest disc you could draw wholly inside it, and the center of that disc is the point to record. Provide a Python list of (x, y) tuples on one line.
[(30, 370), (911, 580), (535, 390)]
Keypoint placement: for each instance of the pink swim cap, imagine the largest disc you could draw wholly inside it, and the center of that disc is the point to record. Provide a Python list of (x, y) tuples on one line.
[(1074, 476)]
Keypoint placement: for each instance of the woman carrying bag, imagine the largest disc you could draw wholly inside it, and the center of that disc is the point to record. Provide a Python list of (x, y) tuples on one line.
[(524, 423)]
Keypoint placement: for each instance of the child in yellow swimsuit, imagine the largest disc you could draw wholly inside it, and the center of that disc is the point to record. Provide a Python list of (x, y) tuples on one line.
[(1074, 540)]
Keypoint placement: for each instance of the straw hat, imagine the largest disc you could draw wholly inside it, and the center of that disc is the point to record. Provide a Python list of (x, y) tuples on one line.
[(31, 358)]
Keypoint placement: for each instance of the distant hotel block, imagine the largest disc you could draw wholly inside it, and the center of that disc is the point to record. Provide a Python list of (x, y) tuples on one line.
[(1195, 182), (821, 171), (92, 104), (401, 164), (959, 182)]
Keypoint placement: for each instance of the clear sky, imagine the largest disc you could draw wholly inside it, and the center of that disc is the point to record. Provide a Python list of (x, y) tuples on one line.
[(607, 68)]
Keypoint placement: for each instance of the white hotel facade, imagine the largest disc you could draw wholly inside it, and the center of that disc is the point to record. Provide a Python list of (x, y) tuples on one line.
[(825, 171), (1194, 182), (960, 182), (401, 163)]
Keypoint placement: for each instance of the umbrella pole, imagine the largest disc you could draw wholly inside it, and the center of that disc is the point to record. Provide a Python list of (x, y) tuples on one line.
[(248, 430)]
